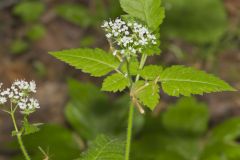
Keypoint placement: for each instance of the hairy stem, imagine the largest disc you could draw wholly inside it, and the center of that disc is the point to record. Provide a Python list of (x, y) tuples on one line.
[(19, 138), (129, 131), (142, 62)]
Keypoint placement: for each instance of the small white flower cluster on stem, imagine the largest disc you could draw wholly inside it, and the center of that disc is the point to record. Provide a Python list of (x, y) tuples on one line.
[(131, 37), (19, 95), (3, 99)]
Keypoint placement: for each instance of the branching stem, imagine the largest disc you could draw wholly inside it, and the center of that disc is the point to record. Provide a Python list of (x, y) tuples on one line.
[(142, 62), (19, 136)]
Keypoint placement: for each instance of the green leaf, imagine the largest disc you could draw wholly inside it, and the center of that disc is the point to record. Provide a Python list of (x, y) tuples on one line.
[(195, 21), (75, 14), (227, 131), (187, 117), (19, 46), (133, 67), (94, 61), (36, 32), (115, 82), (151, 72), (81, 110), (152, 49), (29, 128), (87, 41), (29, 11), (222, 141), (89, 115), (48, 138), (221, 150), (147, 93), (180, 80), (82, 92), (149, 11), (164, 146), (105, 148)]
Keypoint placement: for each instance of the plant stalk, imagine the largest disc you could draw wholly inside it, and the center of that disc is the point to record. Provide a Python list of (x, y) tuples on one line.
[(129, 131), (142, 62), (19, 138)]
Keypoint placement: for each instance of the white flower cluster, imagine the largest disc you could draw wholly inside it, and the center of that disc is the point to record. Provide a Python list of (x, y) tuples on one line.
[(18, 94), (131, 37)]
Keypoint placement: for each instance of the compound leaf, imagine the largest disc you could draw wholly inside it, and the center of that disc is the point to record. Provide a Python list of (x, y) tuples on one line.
[(180, 80), (149, 11), (115, 82), (94, 61)]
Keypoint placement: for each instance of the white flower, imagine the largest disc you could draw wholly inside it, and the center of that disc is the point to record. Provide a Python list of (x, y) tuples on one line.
[(122, 52), (108, 35), (33, 103), (32, 86), (19, 94), (129, 36), (129, 24), (22, 105), (115, 52), (105, 24), (3, 100)]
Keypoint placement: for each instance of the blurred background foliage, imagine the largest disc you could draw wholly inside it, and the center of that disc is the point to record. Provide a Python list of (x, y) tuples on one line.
[(203, 33)]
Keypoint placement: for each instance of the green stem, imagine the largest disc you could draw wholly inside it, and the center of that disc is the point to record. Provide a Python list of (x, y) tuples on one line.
[(19, 138), (129, 131), (142, 62), (128, 72)]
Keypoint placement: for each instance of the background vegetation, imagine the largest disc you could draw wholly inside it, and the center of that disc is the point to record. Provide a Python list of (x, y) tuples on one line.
[(204, 34)]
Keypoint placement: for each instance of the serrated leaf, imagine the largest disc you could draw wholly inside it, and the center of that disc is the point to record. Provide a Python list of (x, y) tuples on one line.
[(149, 11), (180, 80), (94, 61), (115, 82), (187, 116), (105, 148), (147, 93), (152, 49), (151, 72)]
